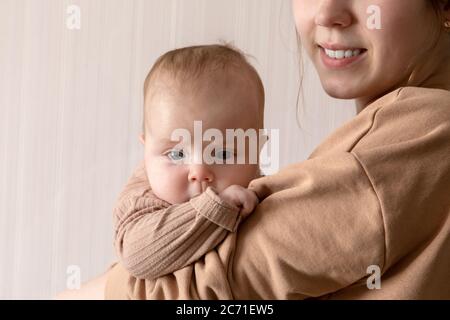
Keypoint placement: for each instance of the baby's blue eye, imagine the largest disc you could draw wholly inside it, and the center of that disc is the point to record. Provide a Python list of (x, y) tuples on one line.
[(224, 154), (175, 155)]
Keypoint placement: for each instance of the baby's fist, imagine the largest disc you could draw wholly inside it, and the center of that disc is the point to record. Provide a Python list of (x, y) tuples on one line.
[(243, 198)]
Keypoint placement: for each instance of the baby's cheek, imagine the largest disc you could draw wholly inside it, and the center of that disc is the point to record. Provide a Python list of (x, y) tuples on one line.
[(179, 189), (168, 182)]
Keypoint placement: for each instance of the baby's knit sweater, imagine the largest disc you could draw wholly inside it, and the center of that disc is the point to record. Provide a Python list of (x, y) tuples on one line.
[(154, 238)]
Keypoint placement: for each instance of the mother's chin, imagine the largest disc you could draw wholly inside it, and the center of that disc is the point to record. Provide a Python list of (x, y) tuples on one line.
[(362, 93), (341, 89)]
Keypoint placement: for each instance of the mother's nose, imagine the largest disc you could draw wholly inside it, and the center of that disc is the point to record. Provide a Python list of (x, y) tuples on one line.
[(200, 173), (334, 13)]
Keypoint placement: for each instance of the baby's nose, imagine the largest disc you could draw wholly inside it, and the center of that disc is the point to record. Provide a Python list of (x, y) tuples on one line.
[(200, 173)]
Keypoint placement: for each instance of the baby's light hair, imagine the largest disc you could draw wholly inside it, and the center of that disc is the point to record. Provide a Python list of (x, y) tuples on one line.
[(187, 64)]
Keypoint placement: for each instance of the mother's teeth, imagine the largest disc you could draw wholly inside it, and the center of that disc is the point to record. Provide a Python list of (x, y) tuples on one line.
[(341, 54)]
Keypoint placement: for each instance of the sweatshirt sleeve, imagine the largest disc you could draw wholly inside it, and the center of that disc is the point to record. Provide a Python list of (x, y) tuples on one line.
[(317, 229), (153, 238)]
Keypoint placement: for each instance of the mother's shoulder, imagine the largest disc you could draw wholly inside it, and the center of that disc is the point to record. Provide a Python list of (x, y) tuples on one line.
[(424, 94), (401, 115), (415, 96), (408, 115), (410, 104)]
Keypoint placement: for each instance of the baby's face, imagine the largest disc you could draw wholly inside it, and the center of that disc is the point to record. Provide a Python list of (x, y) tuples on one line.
[(225, 103)]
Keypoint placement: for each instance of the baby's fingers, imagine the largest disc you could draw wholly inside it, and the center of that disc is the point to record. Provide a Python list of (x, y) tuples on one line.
[(249, 202)]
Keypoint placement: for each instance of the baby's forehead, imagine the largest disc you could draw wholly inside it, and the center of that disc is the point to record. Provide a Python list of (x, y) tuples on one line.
[(222, 101), (221, 98), (203, 122), (168, 83)]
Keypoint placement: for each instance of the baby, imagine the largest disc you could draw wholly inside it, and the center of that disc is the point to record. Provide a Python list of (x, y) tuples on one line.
[(187, 205)]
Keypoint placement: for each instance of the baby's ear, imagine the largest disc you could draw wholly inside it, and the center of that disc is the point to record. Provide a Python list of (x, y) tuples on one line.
[(142, 138)]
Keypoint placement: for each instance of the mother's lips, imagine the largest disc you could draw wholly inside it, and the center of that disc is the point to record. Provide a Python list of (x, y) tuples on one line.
[(335, 46)]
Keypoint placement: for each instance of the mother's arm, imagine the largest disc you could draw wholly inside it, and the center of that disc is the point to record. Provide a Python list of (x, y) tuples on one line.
[(317, 230)]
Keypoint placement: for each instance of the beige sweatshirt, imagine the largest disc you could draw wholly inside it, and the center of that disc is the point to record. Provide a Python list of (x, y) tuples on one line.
[(376, 192)]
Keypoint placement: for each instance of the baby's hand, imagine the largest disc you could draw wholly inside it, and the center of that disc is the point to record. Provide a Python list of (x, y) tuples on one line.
[(241, 197)]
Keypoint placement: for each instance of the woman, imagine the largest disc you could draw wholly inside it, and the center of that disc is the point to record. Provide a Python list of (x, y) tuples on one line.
[(372, 196)]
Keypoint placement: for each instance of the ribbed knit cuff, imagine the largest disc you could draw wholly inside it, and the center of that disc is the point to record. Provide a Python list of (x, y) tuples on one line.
[(212, 207)]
